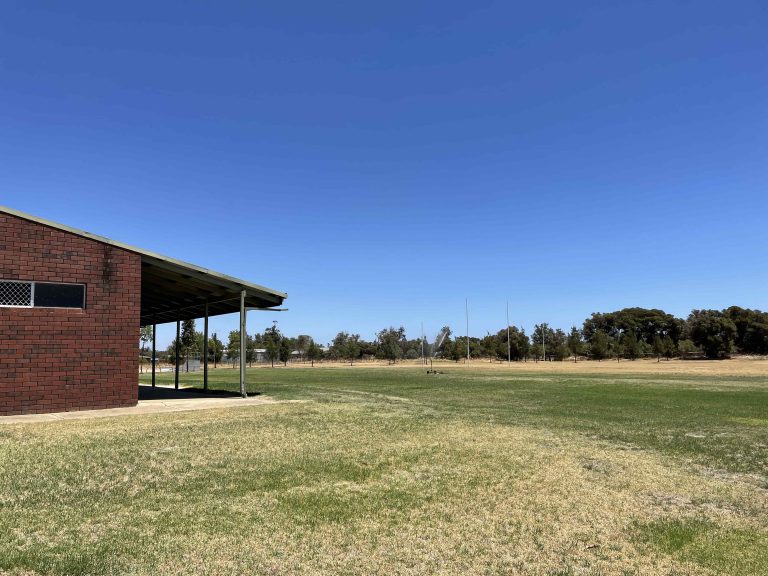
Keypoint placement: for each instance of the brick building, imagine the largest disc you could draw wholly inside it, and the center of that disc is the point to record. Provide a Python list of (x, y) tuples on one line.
[(72, 303)]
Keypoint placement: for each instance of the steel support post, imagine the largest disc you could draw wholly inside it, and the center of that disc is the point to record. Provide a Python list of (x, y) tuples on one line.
[(205, 350), (242, 344), (154, 352), (176, 354)]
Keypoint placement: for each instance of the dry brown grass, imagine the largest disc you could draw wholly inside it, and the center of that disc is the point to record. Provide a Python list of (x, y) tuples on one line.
[(741, 366), (480, 499), (375, 472)]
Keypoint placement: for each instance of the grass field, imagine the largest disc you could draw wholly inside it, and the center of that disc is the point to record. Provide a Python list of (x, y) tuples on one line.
[(392, 471)]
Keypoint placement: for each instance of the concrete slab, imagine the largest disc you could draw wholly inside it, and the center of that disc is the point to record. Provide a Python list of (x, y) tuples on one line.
[(160, 400)]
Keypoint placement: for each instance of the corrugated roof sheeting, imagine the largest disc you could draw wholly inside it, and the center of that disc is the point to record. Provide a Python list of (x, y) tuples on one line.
[(172, 289)]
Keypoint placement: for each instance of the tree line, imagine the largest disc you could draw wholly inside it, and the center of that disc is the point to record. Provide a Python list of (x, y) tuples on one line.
[(624, 334)]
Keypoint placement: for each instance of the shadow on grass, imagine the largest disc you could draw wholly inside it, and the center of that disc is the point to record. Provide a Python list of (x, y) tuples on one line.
[(146, 392)]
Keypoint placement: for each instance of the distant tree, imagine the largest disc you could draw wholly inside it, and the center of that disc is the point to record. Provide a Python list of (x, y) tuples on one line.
[(687, 347), (145, 335), (669, 347), (313, 352), (198, 345), (560, 350), (459, 349), (302, 344), (352, 348), (367, 349), (553, 343), (271, 339), (751, 329), (233, 346), (456, 349), (616, 345), (215, 349), (644, 323), (520, 338), (272, 348), (187, 340), (518, 344), (414, 344), (389, 341), (599, 345), (345, 346), (659, 348), (491, 346), (536, 352), (542, 335), (170, 352), (249, 349), (630, 345), (713, 331), (575, 343), (337, 349), (285, 351)]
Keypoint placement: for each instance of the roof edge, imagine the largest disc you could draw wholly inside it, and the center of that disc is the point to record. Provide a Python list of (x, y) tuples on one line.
[(140, 251)]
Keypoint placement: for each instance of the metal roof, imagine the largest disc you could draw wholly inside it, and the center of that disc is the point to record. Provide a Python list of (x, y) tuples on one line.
[(172, 289)]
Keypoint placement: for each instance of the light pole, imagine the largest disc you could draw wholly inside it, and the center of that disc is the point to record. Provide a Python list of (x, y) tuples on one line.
[(423, 359), (466, 310)]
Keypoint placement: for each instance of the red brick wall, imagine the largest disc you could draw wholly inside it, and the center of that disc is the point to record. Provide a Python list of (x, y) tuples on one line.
[(54, 360)]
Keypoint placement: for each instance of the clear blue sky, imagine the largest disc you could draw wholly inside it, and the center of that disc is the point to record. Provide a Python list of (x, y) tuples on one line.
[(382, 161)]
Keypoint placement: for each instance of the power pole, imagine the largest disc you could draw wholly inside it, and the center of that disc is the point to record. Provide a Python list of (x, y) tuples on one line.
[(544, 341)]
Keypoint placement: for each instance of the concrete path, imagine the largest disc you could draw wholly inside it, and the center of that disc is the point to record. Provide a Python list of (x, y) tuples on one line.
[(161, 399)]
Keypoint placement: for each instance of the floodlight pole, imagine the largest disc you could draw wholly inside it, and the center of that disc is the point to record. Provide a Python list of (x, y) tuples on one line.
[(205, 349), (544, 341), (509, 345), (154, 348), (242, 344), (466, 310), (176, 353)]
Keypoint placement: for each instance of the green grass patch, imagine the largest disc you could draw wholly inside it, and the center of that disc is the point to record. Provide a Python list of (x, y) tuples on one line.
[(393, 471), (714, 421), (738, 552)]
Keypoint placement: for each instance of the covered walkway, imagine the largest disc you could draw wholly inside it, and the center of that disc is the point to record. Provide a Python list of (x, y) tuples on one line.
[(172, 291)]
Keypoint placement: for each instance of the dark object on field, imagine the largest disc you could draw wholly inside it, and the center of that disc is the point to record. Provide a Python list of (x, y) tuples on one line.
[(696, 355), (433, 372)]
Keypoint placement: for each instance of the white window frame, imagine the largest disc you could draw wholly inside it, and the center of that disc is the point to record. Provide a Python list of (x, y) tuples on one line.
[(31, 293)]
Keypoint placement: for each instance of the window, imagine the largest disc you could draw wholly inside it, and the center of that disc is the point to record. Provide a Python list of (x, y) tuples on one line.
[(15, 293), (41, 294)]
